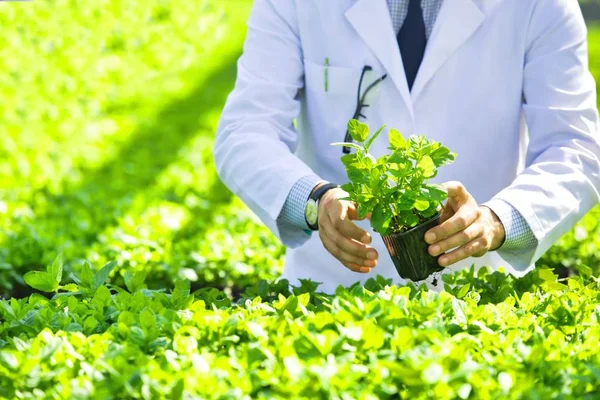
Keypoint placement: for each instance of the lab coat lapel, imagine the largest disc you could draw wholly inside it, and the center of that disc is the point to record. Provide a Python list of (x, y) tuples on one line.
[(371, 19), (456, 22)]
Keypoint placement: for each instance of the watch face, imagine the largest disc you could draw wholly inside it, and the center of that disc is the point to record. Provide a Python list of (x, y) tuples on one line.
[(311, 212)]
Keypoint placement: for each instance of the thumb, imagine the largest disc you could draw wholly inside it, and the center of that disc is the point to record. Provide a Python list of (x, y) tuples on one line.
[(447, 212), (352, 210)]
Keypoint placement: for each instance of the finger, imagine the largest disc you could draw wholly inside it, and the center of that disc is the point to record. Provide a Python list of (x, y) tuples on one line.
[(351, 250), (354, 247), (463, 218), (447, 212), (348, 228), (455, 189), (472, 232), (351, 230), (350, 211), (475, 248), (357, 268), (338, 246)]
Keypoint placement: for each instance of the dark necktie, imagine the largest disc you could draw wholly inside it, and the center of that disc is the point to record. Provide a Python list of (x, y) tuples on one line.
[(412, 40)]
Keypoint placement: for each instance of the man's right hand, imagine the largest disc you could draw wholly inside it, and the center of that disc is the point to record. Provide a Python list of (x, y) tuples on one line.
[(342, 237)]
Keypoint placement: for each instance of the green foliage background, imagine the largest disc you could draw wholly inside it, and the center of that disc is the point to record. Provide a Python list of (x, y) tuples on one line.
[(108, 114)]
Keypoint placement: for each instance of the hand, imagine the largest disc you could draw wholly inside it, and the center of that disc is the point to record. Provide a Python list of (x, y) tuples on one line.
[(474, 229), (340, 236)]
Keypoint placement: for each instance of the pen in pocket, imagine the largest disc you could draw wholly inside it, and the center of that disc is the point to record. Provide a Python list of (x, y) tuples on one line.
[(327, 74)]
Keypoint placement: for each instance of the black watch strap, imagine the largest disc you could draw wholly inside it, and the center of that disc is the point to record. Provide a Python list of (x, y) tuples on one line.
[(316, 196)]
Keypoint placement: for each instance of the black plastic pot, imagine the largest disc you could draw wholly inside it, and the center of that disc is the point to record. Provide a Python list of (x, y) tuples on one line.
[(409, 252)]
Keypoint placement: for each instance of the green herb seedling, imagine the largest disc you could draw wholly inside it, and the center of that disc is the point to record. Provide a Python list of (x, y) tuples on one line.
[(394, 188)]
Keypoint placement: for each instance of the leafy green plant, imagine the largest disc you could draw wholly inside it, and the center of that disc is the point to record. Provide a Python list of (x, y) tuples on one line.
[(86, 281), (578, 251), (105, 155), (488, 336), (394, 188)]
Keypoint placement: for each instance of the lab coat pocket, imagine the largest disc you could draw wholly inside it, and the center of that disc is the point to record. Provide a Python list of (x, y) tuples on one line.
[(331, 99)]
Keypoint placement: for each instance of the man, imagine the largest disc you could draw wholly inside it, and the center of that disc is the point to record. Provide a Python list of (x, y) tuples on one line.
[(503, 83)]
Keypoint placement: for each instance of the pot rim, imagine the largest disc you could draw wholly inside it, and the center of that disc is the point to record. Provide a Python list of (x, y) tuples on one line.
[(415, 227)]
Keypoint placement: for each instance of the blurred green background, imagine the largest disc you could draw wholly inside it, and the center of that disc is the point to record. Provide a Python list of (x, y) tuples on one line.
[(108, 114)]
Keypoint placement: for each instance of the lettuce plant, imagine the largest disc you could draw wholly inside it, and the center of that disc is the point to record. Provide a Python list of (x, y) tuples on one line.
[(395, 187)]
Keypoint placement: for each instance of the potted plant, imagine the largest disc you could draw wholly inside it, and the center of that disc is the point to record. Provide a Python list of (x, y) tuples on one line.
[(395, 191)]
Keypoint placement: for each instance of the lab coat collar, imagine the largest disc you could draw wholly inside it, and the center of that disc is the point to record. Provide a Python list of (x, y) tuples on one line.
[(456, 22)]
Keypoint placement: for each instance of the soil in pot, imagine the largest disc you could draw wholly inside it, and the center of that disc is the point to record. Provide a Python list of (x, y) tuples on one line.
[(409, 252)]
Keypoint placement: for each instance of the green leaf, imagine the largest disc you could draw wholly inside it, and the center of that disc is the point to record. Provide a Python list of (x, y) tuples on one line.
[(442, 156), (551, 286), (101, 276), (406, 202), (89, 325), (358, 130), (410, 220), (70, 287), (463, 291), (135, 281), (181, 294), (147, 320), (431, 211), (435, 192), (86, 275), (177, 391), (547, 275), (8, 308), (364, 209), (102, 296), (347, 187), (427, 166), (396, 139), (381, 218), (421, 204), (356, 175), (41, 280), (8, 360), (348, 159), (372, 138), (56, 269)]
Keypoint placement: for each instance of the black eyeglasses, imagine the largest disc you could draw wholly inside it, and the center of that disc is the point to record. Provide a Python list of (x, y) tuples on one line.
[(360, 102)]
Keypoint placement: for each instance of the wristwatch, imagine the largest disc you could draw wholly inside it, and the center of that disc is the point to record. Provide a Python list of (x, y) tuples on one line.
[(311, 210)]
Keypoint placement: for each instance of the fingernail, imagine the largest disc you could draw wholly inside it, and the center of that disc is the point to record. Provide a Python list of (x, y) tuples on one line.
[(370, 263), (435, 249), (430, 237), (365, 269), (371, 255), (442, 261), (366, 239)]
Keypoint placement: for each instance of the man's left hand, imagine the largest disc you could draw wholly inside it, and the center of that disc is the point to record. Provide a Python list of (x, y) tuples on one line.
[(472, 229)]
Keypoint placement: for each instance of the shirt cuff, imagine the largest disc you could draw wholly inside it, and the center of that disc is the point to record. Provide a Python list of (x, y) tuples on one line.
[(519, 236), (292, 213)]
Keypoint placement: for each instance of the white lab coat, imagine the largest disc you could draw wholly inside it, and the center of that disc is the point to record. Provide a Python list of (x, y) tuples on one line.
[(503, 83)]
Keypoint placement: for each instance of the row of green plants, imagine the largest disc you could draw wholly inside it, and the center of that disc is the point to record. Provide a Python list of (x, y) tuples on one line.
[(488, 336), (108, 114)]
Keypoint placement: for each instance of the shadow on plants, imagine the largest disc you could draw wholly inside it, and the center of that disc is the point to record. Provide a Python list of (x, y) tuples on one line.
[(135, 168), (154, 147)]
